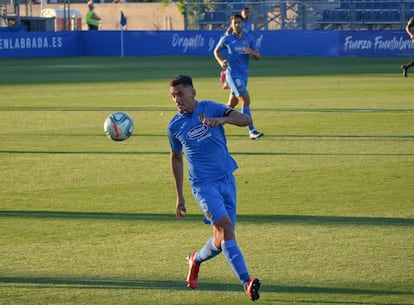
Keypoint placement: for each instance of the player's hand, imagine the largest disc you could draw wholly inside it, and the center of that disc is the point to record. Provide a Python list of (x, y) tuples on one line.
[(213, 122), (180, 209), (223, 64)]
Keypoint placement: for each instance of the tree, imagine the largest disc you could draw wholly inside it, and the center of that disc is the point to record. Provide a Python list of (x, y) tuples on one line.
[(180, 4)]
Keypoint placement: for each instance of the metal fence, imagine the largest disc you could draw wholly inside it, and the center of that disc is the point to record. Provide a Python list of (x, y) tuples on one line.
[(303, 15)]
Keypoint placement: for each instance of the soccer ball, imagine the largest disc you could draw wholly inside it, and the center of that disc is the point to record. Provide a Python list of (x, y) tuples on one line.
[(118, 126)]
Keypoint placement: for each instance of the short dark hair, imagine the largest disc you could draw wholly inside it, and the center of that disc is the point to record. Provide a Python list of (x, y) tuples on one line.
[(184, 80), (237, 15)]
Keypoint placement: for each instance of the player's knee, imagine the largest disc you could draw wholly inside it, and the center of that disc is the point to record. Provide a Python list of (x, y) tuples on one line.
[(223, 229)]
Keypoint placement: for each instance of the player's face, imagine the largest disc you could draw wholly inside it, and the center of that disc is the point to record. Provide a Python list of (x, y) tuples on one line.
[(184, 98), (237, 25)]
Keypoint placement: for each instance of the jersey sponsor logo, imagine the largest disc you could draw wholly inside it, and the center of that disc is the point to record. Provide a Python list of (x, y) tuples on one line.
[(197, 132), (240, 49)]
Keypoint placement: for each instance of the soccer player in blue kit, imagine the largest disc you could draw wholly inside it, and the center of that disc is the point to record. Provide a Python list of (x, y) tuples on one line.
[(239, 46), (410, 33), (197, 130), (247, 25)]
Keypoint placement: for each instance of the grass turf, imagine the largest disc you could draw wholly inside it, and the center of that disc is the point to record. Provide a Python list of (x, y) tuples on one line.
[(325, 198)]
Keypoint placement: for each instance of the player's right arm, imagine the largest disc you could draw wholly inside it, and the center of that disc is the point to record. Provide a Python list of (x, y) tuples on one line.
[(217, 54), (229, 30), (177, 167), (408, 27)]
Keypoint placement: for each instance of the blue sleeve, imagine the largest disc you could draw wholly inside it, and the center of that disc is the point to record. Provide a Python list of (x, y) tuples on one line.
[(218, 109), (252, 42), (175, 145), (220, 43)]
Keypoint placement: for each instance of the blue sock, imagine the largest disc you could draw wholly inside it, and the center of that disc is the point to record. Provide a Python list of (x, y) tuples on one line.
[(236, 260), (246, 111), (208, 251)]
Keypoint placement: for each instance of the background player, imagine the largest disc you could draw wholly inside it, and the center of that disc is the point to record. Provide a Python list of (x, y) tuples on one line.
[(408, 27), (239, 46)]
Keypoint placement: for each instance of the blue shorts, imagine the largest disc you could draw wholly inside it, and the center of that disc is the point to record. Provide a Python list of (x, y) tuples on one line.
[(217, 199), (237, 83)]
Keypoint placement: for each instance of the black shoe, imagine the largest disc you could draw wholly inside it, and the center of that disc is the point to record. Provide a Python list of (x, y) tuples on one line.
[(404, 70), (252, 287)]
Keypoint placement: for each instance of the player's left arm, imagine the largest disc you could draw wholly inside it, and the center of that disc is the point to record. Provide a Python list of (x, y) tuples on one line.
[(231, 116), (253, 49), (255, 54)]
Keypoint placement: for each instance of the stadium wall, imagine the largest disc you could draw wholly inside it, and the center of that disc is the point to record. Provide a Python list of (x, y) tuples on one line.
[(202, 43)]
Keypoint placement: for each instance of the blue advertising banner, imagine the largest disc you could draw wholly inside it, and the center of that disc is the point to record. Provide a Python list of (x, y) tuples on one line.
[(149, 43), (375, 44), (38, 44), (202, 43), (299, 43)]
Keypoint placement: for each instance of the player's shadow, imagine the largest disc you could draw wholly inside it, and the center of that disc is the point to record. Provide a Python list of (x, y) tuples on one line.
[(166, 153), (102, 283), (262, 219)]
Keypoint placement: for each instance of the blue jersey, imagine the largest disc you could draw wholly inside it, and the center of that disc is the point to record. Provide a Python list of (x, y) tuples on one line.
[(247, 26), (205, 148), (237, 58)]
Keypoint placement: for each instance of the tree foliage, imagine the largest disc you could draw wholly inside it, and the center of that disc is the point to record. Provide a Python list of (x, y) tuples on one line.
[(181, 4)]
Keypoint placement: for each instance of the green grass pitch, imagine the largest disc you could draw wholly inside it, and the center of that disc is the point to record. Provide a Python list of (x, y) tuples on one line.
[(325, 199)]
